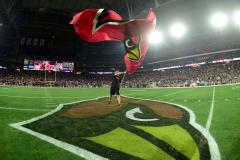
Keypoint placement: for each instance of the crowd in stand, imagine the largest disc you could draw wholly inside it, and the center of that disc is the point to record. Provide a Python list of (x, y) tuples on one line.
[(41, 78), (188, 76)]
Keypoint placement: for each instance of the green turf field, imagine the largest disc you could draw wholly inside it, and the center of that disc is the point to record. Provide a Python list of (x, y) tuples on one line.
[(22, 103)]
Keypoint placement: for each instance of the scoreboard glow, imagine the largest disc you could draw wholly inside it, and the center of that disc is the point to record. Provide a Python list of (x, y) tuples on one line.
[(44, 65)]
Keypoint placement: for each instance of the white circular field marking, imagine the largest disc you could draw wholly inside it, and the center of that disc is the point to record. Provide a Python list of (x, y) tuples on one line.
[(214, 149), (130, 115), (25, 109), (71, 148)]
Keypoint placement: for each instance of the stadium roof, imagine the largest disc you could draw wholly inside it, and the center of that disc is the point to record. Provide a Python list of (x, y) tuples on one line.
[(45, 19)]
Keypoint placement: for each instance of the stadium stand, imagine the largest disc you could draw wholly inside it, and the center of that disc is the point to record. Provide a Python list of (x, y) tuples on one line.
[(189, 76), (209, 74)]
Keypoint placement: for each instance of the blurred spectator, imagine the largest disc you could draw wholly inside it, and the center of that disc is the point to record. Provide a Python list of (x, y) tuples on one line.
[(189, 76)]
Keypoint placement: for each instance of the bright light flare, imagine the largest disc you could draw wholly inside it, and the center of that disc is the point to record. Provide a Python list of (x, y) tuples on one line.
[(178, 30), (236, 17), (155, 37), (219, 20)]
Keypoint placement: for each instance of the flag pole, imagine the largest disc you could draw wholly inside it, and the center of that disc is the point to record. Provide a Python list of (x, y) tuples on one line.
[(123, 78)]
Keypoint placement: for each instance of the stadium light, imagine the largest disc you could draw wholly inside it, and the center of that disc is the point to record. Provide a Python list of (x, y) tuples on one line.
[(219, 20), (155, 37), (178, 30), (236, 17)]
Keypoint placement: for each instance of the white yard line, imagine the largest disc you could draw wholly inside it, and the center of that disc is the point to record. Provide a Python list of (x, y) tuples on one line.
[(29, 97), (51, 107), (170, 94), (51, 103), (209, 120), (48, 101), (218, 85), (165, 95), (25, 109), (138, 90)]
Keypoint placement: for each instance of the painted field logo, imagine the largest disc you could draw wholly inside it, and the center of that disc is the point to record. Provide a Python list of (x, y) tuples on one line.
[(139, 129)]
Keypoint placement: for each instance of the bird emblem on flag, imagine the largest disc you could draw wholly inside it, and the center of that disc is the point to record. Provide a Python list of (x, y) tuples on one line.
[(97, 25)]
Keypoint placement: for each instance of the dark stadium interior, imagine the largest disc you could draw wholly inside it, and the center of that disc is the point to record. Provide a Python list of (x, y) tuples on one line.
[(40, 30), (48, 23)]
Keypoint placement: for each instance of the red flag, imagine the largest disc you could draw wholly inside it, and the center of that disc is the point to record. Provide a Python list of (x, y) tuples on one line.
[(96, 25), (136, 54)]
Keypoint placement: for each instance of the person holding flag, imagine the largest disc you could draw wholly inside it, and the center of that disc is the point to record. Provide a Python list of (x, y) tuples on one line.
[(115, 86), (97, 25)]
